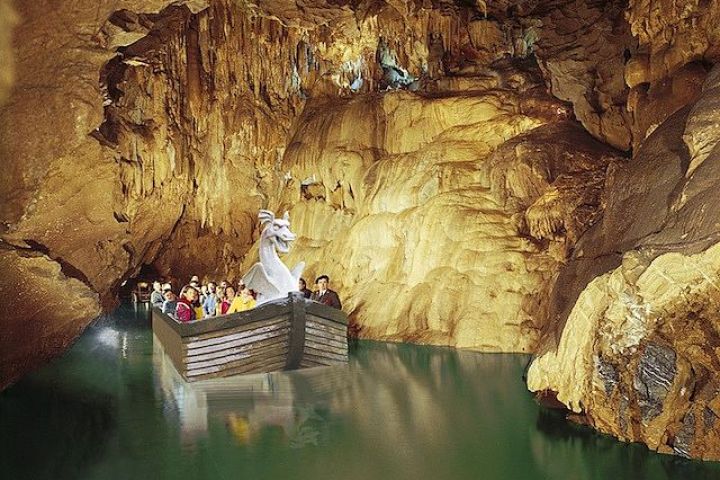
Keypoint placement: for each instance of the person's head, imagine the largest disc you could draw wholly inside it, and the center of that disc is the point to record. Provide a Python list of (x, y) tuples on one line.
[(157, 286), (246, 293), (223, 285), (211, 287), (229, 292), (169, 296), (189, 293), (301, 284), (241, 285), (220, 294), (322, 282)]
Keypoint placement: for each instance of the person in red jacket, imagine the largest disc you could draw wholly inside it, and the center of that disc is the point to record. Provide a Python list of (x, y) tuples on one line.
[(184, 310)]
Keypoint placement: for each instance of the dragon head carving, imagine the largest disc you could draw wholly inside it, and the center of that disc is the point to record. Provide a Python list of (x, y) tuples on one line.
[(276, 230)]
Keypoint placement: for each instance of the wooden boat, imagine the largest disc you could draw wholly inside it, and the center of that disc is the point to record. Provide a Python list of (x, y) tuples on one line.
[(280, 335)]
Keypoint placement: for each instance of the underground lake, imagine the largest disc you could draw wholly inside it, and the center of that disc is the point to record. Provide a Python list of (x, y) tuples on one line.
[(114, 408)]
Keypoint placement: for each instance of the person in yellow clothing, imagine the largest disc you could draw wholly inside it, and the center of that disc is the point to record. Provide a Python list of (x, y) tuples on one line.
[(242, 302)]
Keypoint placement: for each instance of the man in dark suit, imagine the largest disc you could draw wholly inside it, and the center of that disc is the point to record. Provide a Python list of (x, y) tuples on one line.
[(324, 295)]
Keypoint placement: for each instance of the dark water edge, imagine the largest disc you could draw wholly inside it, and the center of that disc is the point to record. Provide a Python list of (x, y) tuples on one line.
[(113, 408)]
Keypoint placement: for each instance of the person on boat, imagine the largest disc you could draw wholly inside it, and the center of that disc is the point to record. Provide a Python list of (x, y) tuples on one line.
[(185, 311), (242, 302), (203, 293), (227, 301), (156, 297), (169, 305), (324, 295), (219, 299), (210, 303), (302, 288)]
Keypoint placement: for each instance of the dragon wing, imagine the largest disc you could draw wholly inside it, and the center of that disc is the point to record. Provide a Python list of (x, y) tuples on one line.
[(257, 279), (297, 271)]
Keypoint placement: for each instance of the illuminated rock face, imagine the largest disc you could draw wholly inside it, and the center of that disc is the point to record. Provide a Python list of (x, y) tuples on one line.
[(638, 355), (441, 219)]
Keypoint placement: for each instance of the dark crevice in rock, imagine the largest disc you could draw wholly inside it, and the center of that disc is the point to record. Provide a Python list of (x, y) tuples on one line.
[(68, 269)]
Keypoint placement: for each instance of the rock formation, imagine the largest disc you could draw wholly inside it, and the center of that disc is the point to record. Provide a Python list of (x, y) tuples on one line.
[(506, 176), (638, 354)]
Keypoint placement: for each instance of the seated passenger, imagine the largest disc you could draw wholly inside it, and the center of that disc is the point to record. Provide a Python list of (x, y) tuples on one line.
[(227, 301), (210, 303), (203, 293), (244, 301), (185, 311), (302, 288), (170, 304), (324, 295), (156, 297), (219, 299)]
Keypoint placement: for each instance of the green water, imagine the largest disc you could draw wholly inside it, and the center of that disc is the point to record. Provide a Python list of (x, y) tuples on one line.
[(113, 408)]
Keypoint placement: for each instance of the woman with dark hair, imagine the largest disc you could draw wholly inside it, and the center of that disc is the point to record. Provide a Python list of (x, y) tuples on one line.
[(302, 288), (184, 310), (227, 301)]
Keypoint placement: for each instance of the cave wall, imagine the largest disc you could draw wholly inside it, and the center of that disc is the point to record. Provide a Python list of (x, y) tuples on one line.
[(460, 207), (634, 351)]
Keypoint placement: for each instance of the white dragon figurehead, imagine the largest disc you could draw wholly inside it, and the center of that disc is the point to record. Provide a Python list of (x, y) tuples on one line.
[(271, 278), (276, 230)]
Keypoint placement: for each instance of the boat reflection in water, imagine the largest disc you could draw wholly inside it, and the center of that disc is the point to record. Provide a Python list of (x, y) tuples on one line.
[(293, 405)]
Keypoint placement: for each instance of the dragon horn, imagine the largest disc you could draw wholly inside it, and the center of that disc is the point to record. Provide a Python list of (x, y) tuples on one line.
[(266, 216)]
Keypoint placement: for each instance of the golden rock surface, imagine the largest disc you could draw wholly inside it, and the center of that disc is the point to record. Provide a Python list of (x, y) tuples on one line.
[(441, 219), (639, 354)]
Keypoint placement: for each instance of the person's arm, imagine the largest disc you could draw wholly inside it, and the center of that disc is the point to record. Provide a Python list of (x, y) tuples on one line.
[(336, 301)]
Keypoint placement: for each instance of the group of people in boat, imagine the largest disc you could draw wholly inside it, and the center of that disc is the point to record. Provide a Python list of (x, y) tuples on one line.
[(197, 301)]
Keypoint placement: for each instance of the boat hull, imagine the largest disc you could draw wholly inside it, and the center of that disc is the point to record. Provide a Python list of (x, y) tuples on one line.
[(285, 335)]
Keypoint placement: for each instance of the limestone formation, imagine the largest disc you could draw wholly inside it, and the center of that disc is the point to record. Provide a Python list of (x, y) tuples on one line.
[(639, 351), (430, 198)]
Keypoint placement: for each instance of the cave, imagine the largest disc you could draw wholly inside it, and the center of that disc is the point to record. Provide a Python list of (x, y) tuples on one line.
[(513, 176)]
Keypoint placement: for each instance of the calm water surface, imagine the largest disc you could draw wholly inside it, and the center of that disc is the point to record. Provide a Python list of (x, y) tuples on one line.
[(114, 408)]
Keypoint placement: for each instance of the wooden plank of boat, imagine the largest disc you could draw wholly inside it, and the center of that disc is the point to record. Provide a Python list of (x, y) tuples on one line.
[(318, 336), (198, 348), (268, 364), (285, 335)]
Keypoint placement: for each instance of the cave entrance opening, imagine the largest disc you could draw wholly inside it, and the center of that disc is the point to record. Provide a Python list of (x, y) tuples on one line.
[(138, 288)]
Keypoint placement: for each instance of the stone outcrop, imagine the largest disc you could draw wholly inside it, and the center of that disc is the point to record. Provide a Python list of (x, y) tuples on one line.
[(460, 207), (8, 19), (638, 353), (64, 248)]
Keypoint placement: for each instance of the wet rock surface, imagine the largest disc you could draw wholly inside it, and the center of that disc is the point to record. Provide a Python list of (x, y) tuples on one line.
[(653, 379)]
